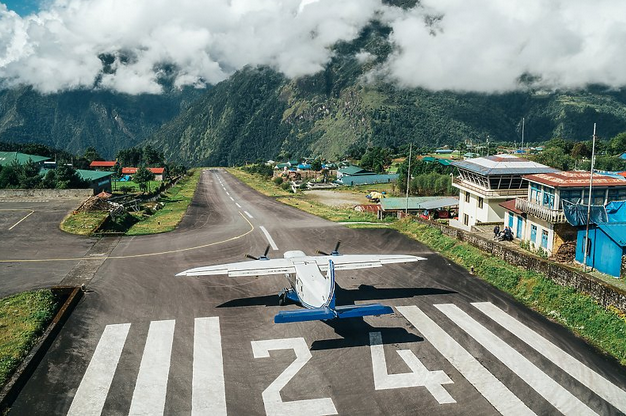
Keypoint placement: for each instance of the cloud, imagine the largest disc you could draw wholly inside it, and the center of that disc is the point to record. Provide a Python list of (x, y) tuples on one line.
[(205, 41), (488, 45), (465, 45)]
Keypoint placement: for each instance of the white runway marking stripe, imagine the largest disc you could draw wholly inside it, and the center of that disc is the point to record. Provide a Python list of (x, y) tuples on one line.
[(151, 388), (248, 214), (269, 238), (549, 389), (208, 395), (94, 387), (16, 224), (231, 198), (585, 375), (238, 206), (490, 387)]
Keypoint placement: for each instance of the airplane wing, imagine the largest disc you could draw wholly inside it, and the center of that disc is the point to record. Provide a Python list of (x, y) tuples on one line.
[(244, 268), (363, 261), (282, 266)]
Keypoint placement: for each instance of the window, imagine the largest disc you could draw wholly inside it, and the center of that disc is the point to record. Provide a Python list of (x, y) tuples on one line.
[(573, 196), (467, 196), (544, 239), (465, 219), (533, 233), (617, 194), (535, 193), (480, 202), (548, 198), (597, 196)]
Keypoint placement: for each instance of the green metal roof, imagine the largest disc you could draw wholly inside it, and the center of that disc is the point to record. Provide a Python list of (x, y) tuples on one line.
[(92, 175), (352, 180), (419, 202), (6, 158), (354, 170)]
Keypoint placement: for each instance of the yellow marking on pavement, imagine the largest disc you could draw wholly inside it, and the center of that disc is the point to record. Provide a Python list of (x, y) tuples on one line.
[(132, 256)]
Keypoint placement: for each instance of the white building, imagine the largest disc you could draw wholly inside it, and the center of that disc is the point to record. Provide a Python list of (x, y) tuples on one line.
[(485, 182), (538, 216)]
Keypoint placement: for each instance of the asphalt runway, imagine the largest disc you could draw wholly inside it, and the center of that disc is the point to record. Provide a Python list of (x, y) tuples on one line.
[(29, 230), (145, 342)]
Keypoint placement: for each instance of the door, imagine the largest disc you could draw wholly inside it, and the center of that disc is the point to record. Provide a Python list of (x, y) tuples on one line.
[(519, 227)]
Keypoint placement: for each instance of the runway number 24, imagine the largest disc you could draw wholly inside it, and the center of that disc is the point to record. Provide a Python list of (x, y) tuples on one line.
[(419, 376)]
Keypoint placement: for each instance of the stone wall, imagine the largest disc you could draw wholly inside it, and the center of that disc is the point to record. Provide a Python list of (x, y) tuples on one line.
[(561, 274), (46, 193)]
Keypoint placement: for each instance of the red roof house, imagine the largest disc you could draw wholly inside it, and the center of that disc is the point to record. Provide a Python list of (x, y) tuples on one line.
[(158, 172), (102, 164)]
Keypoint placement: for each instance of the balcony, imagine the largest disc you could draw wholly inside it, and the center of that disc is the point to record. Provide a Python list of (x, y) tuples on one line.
[(553, 216), (488, 193)]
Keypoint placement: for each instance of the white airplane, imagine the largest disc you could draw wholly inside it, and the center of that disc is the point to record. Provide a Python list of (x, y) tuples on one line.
[(309, 286)]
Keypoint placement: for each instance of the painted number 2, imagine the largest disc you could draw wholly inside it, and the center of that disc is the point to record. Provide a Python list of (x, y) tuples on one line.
[(274, 405), (419, 375)]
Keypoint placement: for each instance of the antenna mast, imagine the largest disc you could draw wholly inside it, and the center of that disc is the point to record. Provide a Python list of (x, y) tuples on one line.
[(593, 153)]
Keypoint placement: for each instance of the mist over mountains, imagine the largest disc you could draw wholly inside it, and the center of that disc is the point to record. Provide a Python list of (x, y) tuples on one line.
[(307, 77)]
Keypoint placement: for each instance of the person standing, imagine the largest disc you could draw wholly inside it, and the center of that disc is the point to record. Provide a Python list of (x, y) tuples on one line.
[(496, 231)]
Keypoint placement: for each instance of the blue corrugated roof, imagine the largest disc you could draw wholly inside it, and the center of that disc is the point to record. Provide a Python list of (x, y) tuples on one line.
[(616, 231)]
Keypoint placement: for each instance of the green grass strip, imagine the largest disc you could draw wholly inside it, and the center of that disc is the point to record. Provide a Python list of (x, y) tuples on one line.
[(23, 318), (83, 223), (176, 200), (602, 327)]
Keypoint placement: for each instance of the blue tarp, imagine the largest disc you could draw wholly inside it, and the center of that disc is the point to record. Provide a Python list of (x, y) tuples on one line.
[(576, 214), (616, 211)]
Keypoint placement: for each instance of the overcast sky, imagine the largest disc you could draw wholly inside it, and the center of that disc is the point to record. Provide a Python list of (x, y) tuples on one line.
[(474, 45)]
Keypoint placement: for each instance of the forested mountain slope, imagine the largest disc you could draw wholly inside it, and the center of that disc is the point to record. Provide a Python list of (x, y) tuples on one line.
[(259, 114), (75, 120)]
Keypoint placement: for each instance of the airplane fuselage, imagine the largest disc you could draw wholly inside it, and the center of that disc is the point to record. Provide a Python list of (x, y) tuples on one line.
[(313, 288)]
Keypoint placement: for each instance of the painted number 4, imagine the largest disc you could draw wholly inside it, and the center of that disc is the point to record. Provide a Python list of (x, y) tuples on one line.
[(419, 375)]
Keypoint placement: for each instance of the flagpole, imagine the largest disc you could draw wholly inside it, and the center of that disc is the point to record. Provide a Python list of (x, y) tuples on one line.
[(593, 150)]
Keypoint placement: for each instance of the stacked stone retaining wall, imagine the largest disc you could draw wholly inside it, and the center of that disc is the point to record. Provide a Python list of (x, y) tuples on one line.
[(45, 193), (561, 274)]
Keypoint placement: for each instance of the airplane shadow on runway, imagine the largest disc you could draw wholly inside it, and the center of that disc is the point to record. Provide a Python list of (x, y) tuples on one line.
[(344, 296), (354, 332)]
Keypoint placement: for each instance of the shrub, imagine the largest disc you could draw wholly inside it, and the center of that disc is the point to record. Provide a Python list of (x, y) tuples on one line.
[(278, 181)]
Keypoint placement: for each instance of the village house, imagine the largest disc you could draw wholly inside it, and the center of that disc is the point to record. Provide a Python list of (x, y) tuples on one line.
[(158, 172), (538, 216), (485, 182)]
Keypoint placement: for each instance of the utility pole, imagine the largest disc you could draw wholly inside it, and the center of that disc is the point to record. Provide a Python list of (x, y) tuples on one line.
[(593, 154), (408, 181), (523, 133)]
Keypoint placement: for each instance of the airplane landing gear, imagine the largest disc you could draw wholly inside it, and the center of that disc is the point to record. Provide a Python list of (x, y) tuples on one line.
[(282, 298)]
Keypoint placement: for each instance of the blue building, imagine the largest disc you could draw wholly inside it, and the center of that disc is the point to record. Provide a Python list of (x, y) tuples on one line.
[(606, 249)]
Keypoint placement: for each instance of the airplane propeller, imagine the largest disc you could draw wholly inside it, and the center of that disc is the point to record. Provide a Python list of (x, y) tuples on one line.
[(263, 257), (335, 252)]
